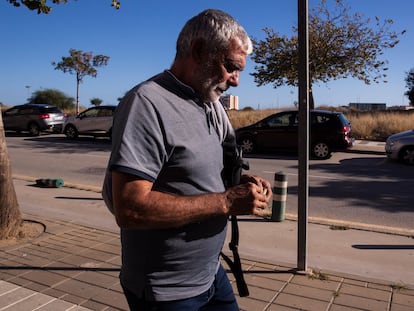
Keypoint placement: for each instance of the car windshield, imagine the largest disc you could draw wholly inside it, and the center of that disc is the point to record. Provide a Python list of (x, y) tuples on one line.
[(50, 110)]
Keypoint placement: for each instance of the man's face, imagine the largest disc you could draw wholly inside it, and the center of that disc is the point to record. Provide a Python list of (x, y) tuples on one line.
[(221, 72)]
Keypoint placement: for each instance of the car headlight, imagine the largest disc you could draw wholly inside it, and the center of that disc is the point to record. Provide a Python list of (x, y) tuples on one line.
[(392, 142)]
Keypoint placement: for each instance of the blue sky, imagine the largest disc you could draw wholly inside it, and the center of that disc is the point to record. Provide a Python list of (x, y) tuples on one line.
[(140, 41)]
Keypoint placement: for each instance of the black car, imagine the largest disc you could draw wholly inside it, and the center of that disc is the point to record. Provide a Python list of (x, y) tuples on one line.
[(33, 118), (329, 132)]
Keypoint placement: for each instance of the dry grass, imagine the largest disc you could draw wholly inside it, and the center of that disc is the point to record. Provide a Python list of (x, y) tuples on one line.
[(372, 125)]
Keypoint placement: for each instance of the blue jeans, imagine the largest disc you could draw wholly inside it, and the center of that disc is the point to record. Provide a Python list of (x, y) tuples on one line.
[(219, 297)]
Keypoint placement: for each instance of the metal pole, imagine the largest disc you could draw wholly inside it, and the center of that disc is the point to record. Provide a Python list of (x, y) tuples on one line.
[(303, 150)]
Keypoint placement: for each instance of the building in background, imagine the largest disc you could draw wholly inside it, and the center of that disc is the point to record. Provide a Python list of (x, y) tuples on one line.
[(368, 106), (230, 102)]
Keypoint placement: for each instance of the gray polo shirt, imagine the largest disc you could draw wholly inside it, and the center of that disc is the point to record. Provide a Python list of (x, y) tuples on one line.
[(164, 134)]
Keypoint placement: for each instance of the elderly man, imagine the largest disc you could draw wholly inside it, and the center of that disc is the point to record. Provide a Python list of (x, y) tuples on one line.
[(164, 181)]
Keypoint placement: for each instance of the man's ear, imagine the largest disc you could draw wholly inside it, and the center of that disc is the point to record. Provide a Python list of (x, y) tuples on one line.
[(198, 50)]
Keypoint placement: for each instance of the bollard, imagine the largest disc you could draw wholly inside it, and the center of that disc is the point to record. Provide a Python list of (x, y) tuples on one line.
[(279, 197)]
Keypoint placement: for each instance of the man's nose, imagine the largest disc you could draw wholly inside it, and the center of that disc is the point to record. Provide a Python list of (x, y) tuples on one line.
[(234, 78)]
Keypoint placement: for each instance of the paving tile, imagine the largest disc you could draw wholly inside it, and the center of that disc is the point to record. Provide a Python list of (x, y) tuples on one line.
[(15, 295), (299, 302), (27, 259), (47, 252), (19, 281), (370, 293), (305, 280), (310, 292), (95, 306), (78, 288), (399, 297), (60, 305), (355, 282), (111, 298), (397, 307), (78, 260), (46, 278), (33, 302), (37, 287), (108, 248), (7, 286), (54, 292), (259, 293), (64, 269), (276, 307), (384, 287), (255, 280), (117, 261), (76, 300), (6, 276), (96, 278), (250, 304), (97, 255), (360, 302), (343, 308)]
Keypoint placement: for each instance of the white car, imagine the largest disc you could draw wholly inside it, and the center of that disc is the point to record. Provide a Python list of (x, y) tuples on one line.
[(400, 147), (95, 121)]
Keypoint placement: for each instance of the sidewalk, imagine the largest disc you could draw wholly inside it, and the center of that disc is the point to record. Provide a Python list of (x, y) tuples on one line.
[(74, 264), (74, 267)]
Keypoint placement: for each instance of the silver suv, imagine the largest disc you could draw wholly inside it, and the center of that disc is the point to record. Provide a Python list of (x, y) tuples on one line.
[(95, 121), (400, 147), (33, 118)]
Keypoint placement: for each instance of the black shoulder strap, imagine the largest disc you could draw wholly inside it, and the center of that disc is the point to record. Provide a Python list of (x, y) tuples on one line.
[(233, 166), (235, 265)]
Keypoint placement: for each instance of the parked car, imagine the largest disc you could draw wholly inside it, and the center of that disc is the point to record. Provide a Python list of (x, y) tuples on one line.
[(329, 132), (400, 146), (33, 118), (95, 121)]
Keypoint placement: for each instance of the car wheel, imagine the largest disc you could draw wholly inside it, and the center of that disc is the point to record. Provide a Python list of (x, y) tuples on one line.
[(321, 150), (406, 155), (34, 129), (247, 145), (71, 132)]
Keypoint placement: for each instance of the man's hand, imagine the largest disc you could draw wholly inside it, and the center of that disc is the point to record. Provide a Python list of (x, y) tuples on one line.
[(252, 197)]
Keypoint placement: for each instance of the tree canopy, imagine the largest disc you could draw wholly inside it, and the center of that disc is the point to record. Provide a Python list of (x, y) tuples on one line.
[(409, 80), (341, 44), (43, 6), (96, 101), (81, 64), (52, 97)]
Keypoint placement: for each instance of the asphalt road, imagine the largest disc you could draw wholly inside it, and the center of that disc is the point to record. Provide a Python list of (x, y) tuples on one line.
[(361, 188)]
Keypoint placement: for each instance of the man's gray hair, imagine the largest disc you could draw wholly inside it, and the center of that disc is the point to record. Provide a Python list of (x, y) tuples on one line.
[(216, 28)]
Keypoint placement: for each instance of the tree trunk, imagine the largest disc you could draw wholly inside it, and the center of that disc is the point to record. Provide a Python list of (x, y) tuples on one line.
[(10, 216)]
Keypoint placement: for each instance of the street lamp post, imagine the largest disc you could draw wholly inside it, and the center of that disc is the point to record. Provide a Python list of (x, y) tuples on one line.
[(28, 90)]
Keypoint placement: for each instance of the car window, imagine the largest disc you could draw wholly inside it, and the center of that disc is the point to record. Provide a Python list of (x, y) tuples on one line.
[(11, 112), (343, 119), (106, 112), (26, 111), (50, 110), (318, 119), (287, 119), (91, 113)]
